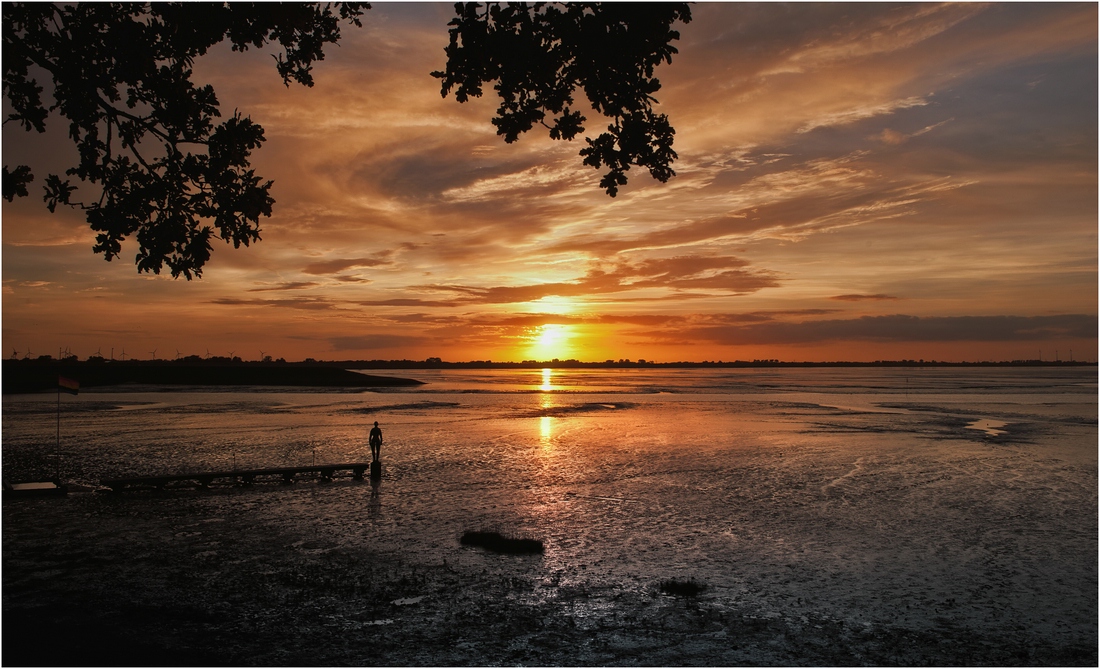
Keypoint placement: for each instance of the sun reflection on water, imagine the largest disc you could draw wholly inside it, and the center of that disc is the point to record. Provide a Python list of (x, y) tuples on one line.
[(546, 427), (546, 402)]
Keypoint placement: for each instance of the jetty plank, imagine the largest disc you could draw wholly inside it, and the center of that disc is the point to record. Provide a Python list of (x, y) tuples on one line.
[(35, 489)]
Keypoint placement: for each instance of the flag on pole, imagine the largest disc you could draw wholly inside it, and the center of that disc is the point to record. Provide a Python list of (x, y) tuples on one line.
[(67, 385)]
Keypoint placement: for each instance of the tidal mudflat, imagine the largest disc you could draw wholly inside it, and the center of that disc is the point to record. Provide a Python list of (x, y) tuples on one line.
[(836, 517)]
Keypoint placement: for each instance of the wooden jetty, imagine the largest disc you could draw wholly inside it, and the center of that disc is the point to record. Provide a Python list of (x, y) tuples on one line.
[(35, 489), (246, 476)]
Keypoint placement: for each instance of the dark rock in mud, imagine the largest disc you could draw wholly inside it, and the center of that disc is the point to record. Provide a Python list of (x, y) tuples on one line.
[(688, 588), (498, 543)]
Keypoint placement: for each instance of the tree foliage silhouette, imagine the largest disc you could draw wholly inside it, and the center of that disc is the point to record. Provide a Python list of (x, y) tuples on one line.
[(145, 133), (121, 76), (539, 54)]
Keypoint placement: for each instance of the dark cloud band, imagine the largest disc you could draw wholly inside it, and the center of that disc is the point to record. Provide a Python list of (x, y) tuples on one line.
[(900, 328)]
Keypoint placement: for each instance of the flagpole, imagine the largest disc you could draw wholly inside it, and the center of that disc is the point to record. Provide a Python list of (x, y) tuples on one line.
[(57, 451)]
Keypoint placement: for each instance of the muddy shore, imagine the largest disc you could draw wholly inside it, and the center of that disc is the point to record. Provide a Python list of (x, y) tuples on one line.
[(834, 517), (219, 577)]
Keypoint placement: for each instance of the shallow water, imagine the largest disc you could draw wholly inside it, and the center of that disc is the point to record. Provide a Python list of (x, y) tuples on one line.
[(951, 502)]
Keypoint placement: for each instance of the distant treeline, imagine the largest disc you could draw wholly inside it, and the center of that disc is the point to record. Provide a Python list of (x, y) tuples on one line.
[(435, 363), (41, 374)]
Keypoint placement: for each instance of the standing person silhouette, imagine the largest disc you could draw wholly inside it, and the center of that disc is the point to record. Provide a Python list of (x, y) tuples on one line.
[(375, 442)]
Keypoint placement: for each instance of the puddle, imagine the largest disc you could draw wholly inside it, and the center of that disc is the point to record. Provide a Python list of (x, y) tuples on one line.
[(990, 427)]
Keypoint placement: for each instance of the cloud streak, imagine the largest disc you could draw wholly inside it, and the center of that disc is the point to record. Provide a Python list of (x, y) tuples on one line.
[(858, 297), (337, 265), (724, 274), (902, 328)]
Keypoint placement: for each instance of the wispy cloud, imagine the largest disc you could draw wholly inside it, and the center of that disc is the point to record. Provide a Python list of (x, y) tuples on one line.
[(286, 285), (307, 303), (859, 113), (859, 297), (894, 137), (717, 273), (875, 34), (337, 265)]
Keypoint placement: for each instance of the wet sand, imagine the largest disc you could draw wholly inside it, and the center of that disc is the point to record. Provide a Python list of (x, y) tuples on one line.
[(829, 529), (265, 576)]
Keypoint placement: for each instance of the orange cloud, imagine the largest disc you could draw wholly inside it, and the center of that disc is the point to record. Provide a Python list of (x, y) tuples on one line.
[(830, 156)]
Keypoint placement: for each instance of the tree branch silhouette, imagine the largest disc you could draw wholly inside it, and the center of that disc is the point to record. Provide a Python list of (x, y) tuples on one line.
[(539, 54), (121, 76), (145, 134)]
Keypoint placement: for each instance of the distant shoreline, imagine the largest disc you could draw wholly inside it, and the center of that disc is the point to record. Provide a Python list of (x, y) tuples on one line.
[(648, 364), (40, 375), (31, 376)]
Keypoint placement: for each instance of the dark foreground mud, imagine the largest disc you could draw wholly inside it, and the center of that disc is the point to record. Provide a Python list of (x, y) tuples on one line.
[(213, 578)]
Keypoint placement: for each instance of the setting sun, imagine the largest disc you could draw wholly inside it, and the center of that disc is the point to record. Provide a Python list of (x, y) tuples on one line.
[(550, 341)]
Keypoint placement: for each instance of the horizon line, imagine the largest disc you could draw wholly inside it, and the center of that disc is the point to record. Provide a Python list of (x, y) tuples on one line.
[(433, 362)]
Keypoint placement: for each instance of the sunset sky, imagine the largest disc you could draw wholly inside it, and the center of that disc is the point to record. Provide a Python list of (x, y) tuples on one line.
[(855, 182)]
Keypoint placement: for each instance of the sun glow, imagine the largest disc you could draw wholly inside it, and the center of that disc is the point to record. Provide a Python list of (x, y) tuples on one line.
[(553, 304), (550, 341)]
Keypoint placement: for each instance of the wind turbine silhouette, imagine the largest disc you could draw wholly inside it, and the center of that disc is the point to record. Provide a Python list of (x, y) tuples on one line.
[(207, 354), (123, 354), (27, 354), (153, 353), (97, 353), (177, 354), (261, 356), (14, 354), (231, 354)]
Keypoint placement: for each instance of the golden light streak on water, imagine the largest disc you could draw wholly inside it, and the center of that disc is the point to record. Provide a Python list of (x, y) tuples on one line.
[(546, 430), (546, 423)]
